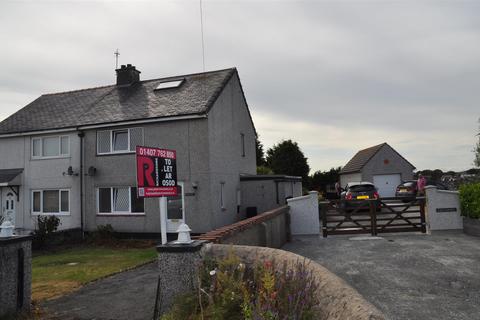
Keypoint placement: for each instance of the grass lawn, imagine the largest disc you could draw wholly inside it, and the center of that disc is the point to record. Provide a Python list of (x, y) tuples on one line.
[(55, 274)]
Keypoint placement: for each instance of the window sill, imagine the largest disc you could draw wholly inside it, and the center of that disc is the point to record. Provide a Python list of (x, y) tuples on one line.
[(120, 214), (50, 158), (50, 214), (115, 153)]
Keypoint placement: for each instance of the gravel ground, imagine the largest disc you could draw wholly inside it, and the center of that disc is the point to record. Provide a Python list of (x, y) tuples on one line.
[(407, 276)]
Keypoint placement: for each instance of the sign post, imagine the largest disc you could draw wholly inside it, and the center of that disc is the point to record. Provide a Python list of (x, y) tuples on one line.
[(157, 177)]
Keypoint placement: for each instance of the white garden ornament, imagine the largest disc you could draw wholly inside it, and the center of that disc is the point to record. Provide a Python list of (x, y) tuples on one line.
[(6, 229), (184, 234)]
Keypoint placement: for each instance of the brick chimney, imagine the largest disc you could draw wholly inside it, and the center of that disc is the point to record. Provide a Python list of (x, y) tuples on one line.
[(127, 74)]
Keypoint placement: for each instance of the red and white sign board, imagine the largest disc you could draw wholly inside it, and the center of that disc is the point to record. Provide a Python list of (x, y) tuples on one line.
[(156, 172)]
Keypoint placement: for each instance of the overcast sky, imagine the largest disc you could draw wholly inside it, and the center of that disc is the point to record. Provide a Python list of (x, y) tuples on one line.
[(335, 76)]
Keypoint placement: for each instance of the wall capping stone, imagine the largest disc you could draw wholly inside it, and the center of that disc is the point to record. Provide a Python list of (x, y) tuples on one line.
[(222, 234)]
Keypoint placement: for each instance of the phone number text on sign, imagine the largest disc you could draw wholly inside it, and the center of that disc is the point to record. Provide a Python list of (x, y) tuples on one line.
[(156, 172)]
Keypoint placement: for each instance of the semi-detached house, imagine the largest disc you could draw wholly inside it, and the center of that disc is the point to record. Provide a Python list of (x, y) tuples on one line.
[(71, 154)]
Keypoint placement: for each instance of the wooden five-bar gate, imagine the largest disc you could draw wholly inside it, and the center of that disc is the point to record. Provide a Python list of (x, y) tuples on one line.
[(372, 216)]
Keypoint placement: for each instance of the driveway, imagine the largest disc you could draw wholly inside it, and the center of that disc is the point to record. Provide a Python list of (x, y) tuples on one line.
[(407, 276), (128, 295)]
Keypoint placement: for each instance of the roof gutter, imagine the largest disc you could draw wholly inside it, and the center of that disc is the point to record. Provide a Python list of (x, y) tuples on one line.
[(104, 125), (126, 123), (30, 133)]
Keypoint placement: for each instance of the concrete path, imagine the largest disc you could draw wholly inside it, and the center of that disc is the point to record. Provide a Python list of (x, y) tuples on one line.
[(129, 295), (407, 276)]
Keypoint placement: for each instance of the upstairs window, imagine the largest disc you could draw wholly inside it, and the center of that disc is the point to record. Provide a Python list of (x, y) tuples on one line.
[(50, 147), (119, 141)]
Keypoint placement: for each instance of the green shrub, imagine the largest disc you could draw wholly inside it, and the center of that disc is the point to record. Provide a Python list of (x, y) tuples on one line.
[(264, 170), (46, 226), (103, 235), (106, 231), (229, 289), (470, 200)]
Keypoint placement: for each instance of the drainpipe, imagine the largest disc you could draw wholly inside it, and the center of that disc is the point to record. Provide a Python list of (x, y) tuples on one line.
[(81, 135)]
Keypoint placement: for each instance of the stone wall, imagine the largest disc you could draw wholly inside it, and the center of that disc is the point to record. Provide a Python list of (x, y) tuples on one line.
[(443, 210), (338, 301), (269, 229), (304, 215), (15, 297)]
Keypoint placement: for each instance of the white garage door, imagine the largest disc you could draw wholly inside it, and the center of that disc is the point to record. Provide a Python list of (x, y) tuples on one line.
[(386, 184)]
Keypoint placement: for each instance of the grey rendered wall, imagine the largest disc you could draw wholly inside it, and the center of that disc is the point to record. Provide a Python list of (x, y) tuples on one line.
[(228, 118), (396, 164), (263, 194), (350, 177), (270, 233), (292, 189), (42, 174), (260, 194), (297, 189), (189, 138)]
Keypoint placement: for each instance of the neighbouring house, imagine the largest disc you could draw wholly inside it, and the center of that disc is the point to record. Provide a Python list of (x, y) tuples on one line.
[(381, 165), (71, 154)]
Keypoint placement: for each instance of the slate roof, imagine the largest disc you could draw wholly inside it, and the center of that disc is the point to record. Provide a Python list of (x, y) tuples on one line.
[(114, 103), (7, 175), (360, 159)]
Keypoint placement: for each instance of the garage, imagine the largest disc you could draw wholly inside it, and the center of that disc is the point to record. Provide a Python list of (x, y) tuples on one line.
[(387, 184), (381, 165)]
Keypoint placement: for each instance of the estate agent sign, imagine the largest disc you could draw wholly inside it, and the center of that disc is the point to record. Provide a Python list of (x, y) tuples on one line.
[(156, 172), (157, 177)]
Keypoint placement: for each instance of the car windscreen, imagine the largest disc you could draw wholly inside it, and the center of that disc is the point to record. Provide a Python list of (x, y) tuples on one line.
[(361, 188), (408, 184)]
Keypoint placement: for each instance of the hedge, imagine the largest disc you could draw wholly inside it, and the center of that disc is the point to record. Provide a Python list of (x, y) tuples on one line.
[(470, 200)]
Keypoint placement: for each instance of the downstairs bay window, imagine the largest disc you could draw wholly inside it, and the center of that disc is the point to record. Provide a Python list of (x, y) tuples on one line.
[(119, 200)]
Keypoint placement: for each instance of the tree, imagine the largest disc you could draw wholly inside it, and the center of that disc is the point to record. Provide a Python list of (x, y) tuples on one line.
[(259, 152), (287, 158), (431, 175), (476, 161), (321, 179)]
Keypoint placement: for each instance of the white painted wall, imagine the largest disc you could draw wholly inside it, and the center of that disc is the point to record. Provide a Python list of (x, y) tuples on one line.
[(304, 216), (442, 199)]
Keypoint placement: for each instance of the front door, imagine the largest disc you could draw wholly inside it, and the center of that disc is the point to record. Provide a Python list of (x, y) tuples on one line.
[(9, 204), (176, 209)]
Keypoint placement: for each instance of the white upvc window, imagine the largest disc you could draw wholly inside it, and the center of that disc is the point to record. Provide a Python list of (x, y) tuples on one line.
[(51, 202), (50, 147), (119, 140), (119, 200)]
